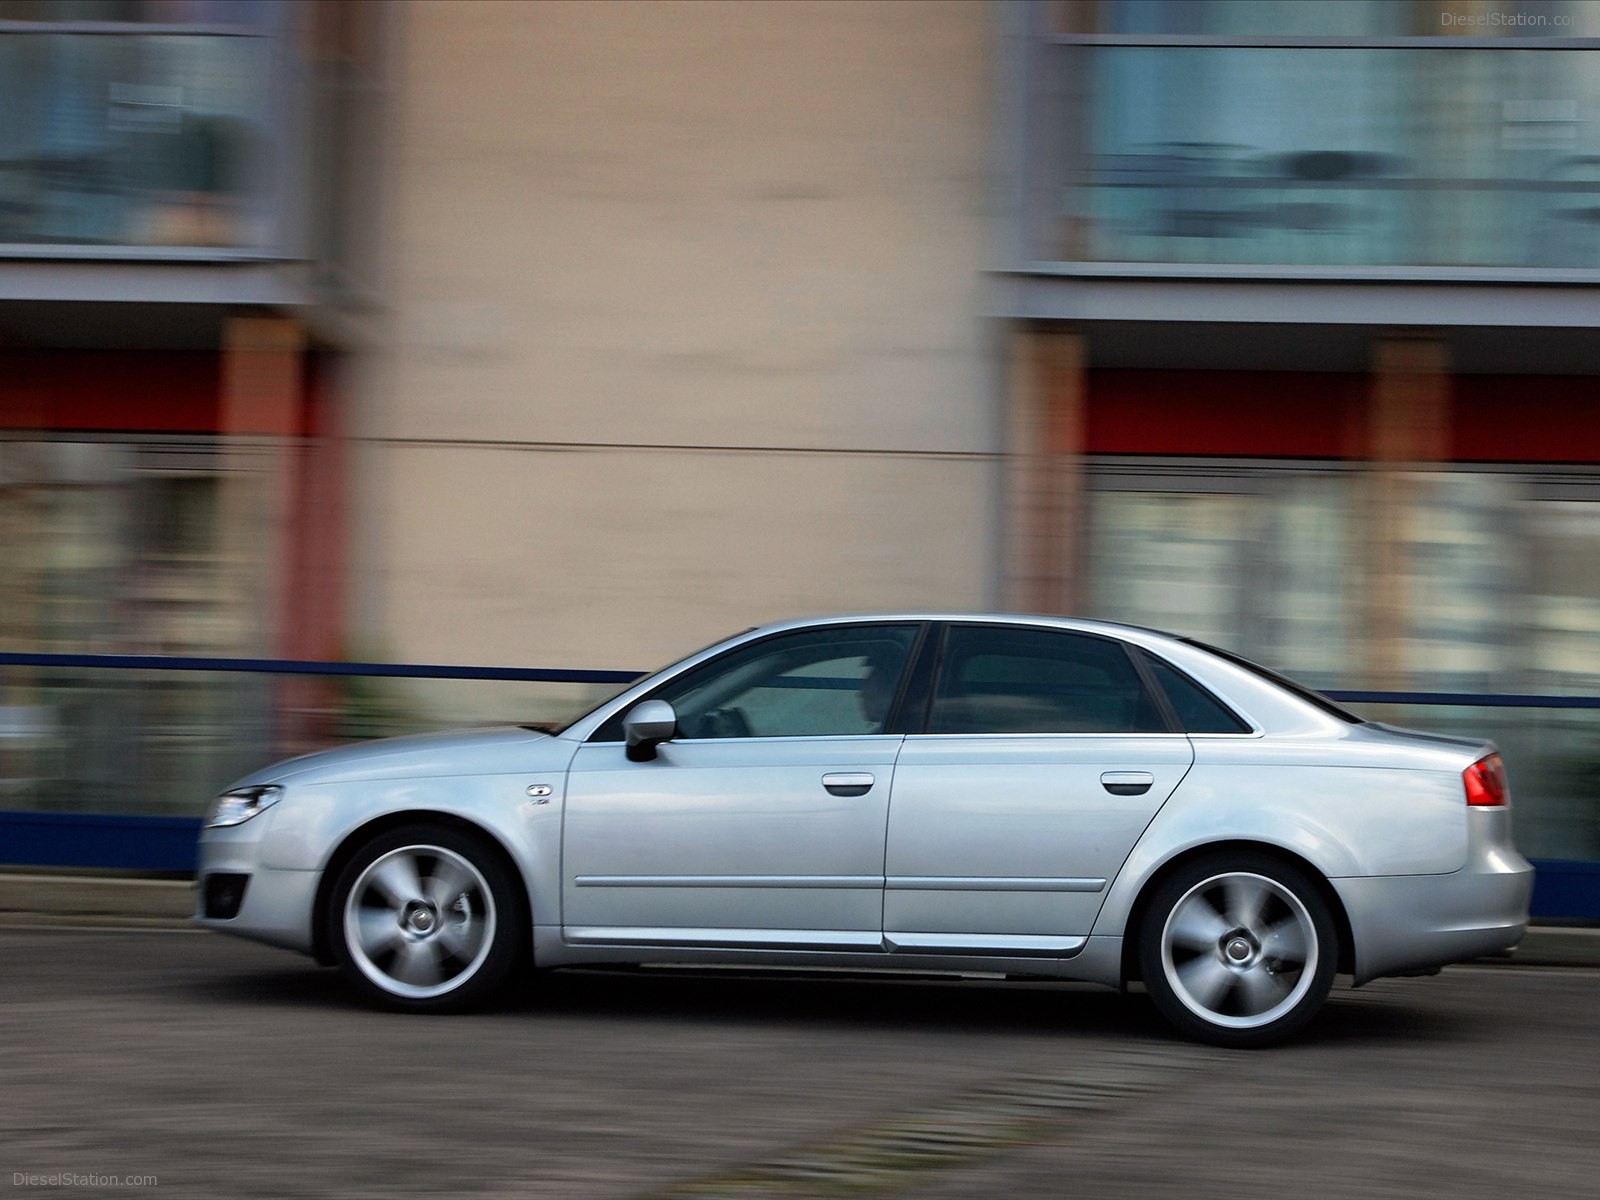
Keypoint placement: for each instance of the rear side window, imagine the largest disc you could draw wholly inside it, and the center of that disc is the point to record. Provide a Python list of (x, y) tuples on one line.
[(1198, 710), (1009, 680)]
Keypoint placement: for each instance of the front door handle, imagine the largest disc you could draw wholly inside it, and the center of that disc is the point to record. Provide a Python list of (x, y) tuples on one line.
[(1127, 783), (848, 783)]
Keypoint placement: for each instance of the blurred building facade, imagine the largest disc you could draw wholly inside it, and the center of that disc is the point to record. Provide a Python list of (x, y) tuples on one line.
[(1303, 300), (683, 317), (174, 264), (578, 334)]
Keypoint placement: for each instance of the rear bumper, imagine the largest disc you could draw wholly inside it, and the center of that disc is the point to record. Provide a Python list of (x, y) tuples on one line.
[(1409, 923)]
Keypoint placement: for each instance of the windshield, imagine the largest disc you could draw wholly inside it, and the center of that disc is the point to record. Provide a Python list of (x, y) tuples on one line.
[(588, 704), (612, 692)]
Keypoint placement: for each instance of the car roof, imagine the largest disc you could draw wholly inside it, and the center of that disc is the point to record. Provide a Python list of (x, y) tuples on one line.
[(1266, 701), (1054, 620)]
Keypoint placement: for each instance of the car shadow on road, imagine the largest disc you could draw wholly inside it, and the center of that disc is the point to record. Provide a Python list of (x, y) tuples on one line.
[(302, 987), (936, 1005), (732, 998), (1355, 1016), (725, 997), (941, 1005)]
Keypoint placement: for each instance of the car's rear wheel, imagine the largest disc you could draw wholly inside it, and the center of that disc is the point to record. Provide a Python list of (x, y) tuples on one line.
[(1238, 949), (424, 919)]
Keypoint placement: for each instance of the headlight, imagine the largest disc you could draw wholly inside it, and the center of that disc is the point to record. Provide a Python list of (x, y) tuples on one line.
[(239, 805)]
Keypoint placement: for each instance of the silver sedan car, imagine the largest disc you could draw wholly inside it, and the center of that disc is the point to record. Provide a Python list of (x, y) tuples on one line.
[(1018, 796)]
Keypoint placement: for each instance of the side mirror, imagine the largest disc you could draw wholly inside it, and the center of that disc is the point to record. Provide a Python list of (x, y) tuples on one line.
[(646, 726)]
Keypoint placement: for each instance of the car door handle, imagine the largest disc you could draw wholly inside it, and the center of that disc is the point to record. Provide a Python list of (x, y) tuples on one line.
[(848, 783), (1127, 783)]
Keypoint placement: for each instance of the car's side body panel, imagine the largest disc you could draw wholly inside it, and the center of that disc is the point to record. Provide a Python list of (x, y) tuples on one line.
[(1403, 923), (741, 835), (335, 796), (1344, 820), (1008, 836)]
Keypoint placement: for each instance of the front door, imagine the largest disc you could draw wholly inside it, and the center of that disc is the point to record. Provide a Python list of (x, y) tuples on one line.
[(762, 823)]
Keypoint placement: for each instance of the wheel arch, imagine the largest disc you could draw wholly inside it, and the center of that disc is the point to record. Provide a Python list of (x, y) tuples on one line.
[(321, 948), (1136, 914)]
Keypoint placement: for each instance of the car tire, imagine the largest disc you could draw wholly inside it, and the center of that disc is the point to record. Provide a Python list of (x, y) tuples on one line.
[(1238, 949), (426, 918)]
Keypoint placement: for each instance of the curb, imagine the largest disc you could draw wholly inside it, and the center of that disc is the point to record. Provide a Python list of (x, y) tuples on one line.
[(1554, 946), (26, 896)]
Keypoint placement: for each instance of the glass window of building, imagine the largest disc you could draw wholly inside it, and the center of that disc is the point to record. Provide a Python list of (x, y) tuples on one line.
[(1322, 135), (137, 124), (1258, 561), (115, 547), (1493, 588), (1343, 18)]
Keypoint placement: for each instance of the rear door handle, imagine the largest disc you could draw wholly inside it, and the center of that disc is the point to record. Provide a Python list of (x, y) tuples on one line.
[(848, 783), (1127, 783)]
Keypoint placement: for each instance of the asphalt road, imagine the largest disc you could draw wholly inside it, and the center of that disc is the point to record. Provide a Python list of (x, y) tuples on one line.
[(213, 1068)]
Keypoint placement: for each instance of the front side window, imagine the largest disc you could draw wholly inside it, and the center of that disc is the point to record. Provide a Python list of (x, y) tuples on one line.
[(830, 682), (1002, 680)]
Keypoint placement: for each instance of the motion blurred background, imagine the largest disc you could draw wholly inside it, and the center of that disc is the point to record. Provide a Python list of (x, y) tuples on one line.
[(576, 334)]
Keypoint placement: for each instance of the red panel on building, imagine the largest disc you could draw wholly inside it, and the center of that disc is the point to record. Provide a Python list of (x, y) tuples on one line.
[(1526, 419), (1276, 414), (123, 391)]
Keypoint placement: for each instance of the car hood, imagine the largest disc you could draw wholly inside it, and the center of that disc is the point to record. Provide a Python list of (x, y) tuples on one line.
[(459, 752)]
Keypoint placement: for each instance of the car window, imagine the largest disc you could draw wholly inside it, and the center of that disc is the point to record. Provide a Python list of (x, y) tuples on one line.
[(825, 682), (1298, 690), (1000, 680), (1198, 710)]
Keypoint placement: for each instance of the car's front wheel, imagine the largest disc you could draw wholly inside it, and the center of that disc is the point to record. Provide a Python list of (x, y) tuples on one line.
[(1238, 949), (425, 918)]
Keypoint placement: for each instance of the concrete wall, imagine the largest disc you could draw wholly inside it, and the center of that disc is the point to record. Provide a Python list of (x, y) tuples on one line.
[(682, 327)]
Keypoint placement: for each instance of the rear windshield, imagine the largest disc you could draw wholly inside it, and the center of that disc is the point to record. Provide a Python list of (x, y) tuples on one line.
[(1300, 690)]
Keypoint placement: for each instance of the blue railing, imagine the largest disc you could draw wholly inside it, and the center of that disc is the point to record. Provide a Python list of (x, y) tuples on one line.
[(1564, 888), (1464, 699), (290, 666)]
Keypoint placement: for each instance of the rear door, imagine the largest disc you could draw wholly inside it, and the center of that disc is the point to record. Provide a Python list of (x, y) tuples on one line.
[(1045, 756)]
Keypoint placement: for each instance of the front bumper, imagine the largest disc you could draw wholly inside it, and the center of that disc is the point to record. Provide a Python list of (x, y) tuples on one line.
[(277, 905)]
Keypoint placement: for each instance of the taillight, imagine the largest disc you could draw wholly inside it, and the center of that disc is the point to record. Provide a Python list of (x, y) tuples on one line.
[(1486, 782)]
